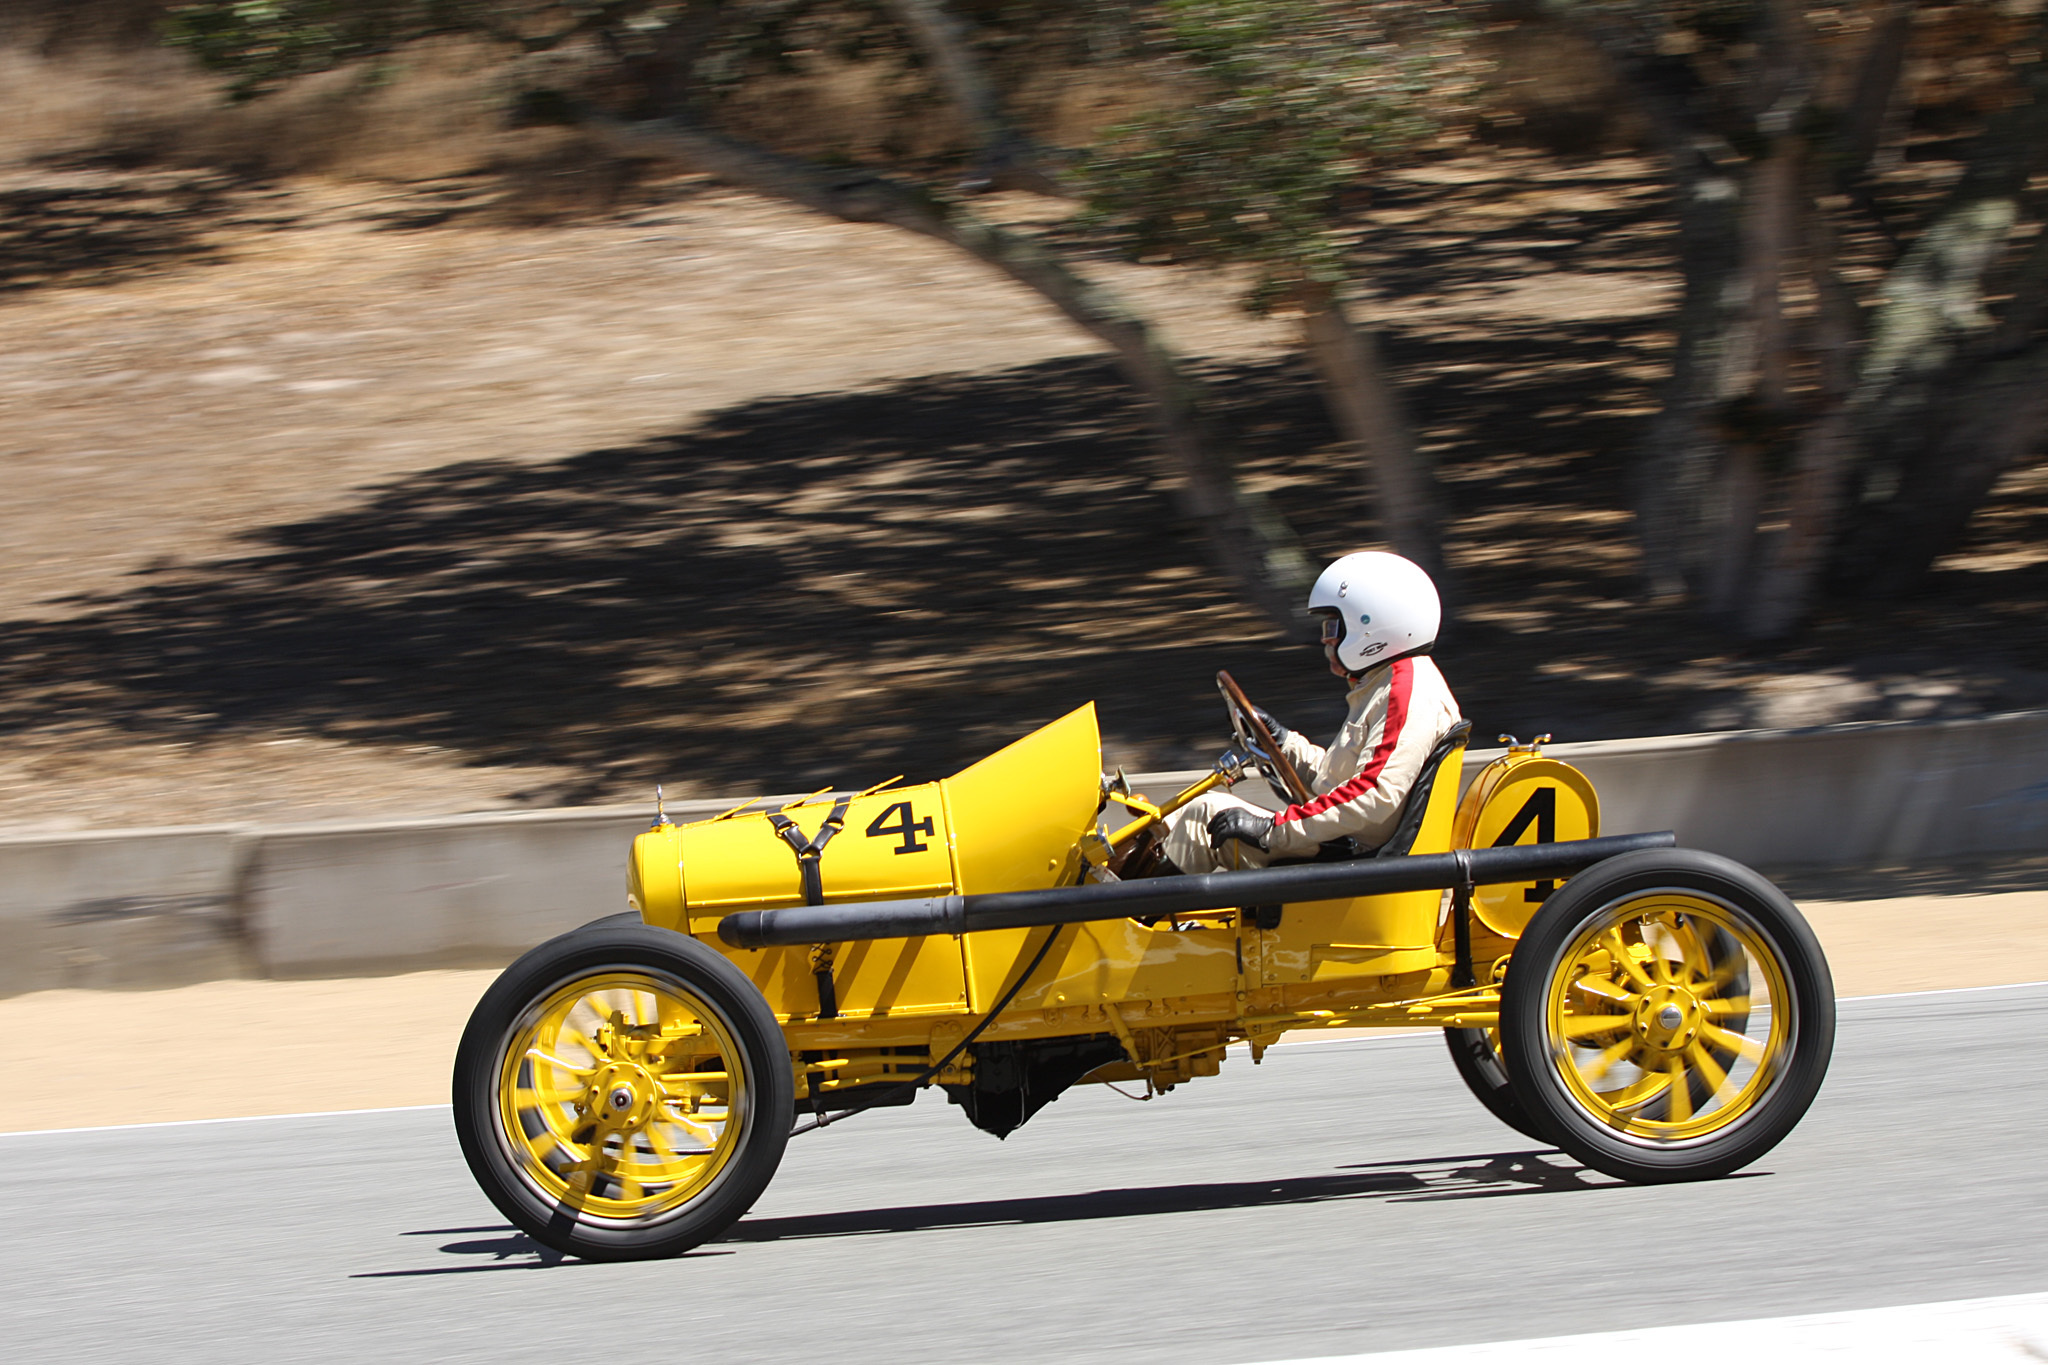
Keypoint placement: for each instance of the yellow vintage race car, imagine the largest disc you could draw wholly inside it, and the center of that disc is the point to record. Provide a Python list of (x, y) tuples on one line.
[(626, 1090)]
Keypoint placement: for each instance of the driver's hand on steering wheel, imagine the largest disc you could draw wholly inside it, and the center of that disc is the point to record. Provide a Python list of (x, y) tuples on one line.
[(1246, 826), (1266, 718)]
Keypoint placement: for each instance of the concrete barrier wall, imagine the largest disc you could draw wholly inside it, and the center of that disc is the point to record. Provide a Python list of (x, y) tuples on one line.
[(123, 908), (473, 890), (1837, 796), (1834, 796), (431, 894), (165, 907)]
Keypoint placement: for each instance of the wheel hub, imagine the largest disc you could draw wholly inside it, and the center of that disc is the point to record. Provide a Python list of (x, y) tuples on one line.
[(622, 1095), (1667, 1018)]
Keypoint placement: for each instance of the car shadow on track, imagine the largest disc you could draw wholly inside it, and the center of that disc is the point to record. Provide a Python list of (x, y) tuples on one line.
[(506, 1249), (1463, 1177), (1483, 1176)]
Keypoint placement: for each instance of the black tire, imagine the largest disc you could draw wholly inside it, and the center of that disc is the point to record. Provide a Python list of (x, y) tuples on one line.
[(1479, 1066), (520, 1161), (1667, 1021)]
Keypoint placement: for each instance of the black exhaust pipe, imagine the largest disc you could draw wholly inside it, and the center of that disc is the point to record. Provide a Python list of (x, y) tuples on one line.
[(1155, 896)]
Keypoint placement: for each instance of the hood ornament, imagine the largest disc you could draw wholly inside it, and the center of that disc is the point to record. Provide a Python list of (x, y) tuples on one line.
[(660, 816)]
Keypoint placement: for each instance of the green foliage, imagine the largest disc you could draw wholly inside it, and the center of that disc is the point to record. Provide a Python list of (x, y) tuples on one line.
[(258, 43), (1288, 106)]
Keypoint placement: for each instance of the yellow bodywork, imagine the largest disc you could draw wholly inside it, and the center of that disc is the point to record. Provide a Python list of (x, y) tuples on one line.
[(1174, 993), (1522, 798)]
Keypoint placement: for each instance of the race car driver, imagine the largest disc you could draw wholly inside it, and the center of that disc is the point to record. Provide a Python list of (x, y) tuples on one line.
[(1380, 617)]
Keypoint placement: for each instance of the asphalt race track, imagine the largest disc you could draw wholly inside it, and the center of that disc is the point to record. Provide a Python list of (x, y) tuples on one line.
[(1344, 1197)]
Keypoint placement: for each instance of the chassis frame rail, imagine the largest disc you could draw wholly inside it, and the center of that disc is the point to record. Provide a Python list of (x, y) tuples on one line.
[(1156, 896)]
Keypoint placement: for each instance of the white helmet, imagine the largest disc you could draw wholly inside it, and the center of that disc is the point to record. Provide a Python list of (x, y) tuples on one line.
[(1385, 608)]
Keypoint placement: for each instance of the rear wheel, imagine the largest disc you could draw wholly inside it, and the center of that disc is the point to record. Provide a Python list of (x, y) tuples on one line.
[(622, 1092), (1668, 1015), (1475, 1052)]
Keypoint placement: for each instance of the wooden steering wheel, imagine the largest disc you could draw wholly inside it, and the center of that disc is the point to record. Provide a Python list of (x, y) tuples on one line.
[(1258, 743)]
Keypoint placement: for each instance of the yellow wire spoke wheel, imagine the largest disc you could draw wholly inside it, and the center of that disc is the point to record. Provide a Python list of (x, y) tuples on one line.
[(623, 1092), (1661, 1016), (614, 1096), (1668, 1016)]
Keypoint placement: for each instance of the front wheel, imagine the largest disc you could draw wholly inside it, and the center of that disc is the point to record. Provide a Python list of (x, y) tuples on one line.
[(1667, 1016), (622, 1092)]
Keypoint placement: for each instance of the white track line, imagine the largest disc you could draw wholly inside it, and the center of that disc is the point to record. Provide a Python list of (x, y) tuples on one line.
[(1943, 990), (1390, 1036), (1964, 1332), (238, 1118)]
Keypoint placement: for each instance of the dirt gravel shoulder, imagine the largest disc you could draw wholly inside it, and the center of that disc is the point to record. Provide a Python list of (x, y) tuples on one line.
[(288, 1047)]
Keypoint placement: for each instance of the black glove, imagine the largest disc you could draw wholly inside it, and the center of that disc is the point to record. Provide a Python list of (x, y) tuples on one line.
[(1247, 826), (1279, 731)]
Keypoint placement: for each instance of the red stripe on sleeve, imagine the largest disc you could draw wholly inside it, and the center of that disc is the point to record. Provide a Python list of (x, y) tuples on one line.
[(1399, 686)]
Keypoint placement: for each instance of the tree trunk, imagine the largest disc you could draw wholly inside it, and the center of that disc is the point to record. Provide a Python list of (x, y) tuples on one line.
[(1731, 447), (1789, 577), (1875, 96), (1004, 157), (1994, 423), (1759, 380), (1906, 405), (1684, 460), (1982, 414), (1874, 117), (1681, 492), (1951, 395), (1368, 415), (1871, 471), (1248, 541), (1784, 587)]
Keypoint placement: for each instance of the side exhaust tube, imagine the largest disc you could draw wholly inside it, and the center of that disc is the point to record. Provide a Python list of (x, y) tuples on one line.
[(1156, 896)]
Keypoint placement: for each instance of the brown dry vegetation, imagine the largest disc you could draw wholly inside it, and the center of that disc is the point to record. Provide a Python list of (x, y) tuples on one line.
[(364, 493)]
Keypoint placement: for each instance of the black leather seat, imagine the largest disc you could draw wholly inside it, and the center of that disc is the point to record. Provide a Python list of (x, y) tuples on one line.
[(1412, 810)]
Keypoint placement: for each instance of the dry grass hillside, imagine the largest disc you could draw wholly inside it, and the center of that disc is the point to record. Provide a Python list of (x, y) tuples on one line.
[(387, 466)]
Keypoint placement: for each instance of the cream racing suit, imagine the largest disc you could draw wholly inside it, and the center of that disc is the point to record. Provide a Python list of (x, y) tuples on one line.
[(1398, 713)]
